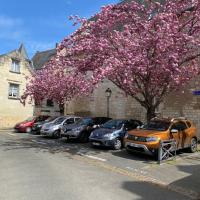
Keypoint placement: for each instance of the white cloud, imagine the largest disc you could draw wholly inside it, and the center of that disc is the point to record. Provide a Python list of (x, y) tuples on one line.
[(8, 22), (11, 28), (14, 30)]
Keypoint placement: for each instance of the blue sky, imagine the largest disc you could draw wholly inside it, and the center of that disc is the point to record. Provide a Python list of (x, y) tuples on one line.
[(39, 24)]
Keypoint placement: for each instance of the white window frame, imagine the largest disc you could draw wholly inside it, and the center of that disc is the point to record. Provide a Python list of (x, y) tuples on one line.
[(15, 66), (13, 91)]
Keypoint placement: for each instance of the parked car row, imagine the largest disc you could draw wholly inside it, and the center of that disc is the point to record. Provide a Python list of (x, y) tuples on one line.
[(116, 133)]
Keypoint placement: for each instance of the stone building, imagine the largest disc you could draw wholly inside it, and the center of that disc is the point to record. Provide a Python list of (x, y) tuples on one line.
[(48, 107), (15, 66)]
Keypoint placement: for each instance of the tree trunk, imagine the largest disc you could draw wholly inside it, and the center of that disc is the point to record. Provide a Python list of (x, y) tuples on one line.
[(61, 106), (150, 113)]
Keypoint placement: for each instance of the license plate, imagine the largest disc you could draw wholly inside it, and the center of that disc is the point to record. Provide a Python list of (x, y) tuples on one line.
[(134, 145), (70, 133), (96, 143)]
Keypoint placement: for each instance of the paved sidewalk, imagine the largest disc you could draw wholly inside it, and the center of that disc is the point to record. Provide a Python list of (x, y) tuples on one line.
[(182, 173), (6, 129)]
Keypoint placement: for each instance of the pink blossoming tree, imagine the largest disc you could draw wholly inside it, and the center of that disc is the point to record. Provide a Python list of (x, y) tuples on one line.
[(147, 50), (57, 83)]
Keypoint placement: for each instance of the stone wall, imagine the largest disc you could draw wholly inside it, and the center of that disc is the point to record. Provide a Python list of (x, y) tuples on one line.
[(11, 110), (121, 106), (184, 103), (179, 103), (44, 109)]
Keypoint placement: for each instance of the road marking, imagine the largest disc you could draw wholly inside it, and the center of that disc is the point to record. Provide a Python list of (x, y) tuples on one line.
[(38, 142), (12, 134), (92, 157)]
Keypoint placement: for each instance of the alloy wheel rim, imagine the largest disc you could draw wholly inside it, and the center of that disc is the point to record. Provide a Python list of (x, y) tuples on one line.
[(117, 144), (194, 145)]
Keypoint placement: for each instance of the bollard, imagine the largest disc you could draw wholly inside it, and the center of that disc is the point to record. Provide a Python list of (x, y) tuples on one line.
[(160, 152)]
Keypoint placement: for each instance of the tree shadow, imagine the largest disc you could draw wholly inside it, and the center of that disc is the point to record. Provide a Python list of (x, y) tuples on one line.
[(146, 158), (135, 156), (45, 144), (192, 180)]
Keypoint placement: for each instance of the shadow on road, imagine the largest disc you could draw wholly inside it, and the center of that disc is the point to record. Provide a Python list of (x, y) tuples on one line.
[(133, 156), (192, 179), (72, 147)]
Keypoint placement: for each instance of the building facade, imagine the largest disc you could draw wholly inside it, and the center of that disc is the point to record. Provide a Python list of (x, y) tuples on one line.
[(15, 66)]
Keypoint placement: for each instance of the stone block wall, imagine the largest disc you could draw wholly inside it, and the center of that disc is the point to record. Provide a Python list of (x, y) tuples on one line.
[(180, 103), (121, 106), (43, 109)]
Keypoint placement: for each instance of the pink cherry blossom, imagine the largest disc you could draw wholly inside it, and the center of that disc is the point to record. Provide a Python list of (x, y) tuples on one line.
[(147, 50)]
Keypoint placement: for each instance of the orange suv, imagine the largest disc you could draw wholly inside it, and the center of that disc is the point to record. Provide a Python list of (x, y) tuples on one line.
[(146, 139)]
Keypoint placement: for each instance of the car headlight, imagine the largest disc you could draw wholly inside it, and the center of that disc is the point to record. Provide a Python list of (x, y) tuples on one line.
[(126, 135), (54, 128), (110, 135), (77, 130), (151, 139), (92, 134)]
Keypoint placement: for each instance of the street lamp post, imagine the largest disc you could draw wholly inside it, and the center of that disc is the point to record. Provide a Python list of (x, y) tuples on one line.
[(108, 93)]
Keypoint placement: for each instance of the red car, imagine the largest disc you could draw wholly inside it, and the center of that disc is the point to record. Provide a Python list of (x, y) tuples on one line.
[(26, 126)]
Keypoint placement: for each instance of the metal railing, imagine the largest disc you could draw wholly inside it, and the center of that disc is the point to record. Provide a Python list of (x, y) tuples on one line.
[(167, 150)]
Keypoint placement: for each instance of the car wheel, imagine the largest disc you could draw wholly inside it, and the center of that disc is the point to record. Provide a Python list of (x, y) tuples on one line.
[(83, 137), (117, 144), (193, 145), (155, 155), (56, 134), (28, 129)]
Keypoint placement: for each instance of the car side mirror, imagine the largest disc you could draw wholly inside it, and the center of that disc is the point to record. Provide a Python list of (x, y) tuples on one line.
[(123, 127), (174, 131), (95, 126)]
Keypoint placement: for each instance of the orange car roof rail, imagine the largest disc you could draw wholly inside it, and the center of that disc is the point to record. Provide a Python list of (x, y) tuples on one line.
[(178, 118)]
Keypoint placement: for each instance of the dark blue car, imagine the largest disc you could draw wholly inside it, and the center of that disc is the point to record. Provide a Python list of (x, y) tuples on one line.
[(111, 133)]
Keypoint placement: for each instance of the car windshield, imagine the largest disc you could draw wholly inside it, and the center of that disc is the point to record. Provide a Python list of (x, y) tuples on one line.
[(85, 121), (113, 124), (49, 119), (59, 120), (157, 125), (29, 119)]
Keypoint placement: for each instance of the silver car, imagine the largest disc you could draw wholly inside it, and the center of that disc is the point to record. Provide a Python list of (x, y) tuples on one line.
[(53, 128)]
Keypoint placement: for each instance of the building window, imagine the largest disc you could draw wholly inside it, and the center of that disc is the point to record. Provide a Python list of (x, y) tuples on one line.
[(50, 103), (13, 91), (15, 66)]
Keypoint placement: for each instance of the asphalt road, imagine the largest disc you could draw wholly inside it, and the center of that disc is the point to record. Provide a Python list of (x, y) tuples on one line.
[(36, 168)]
